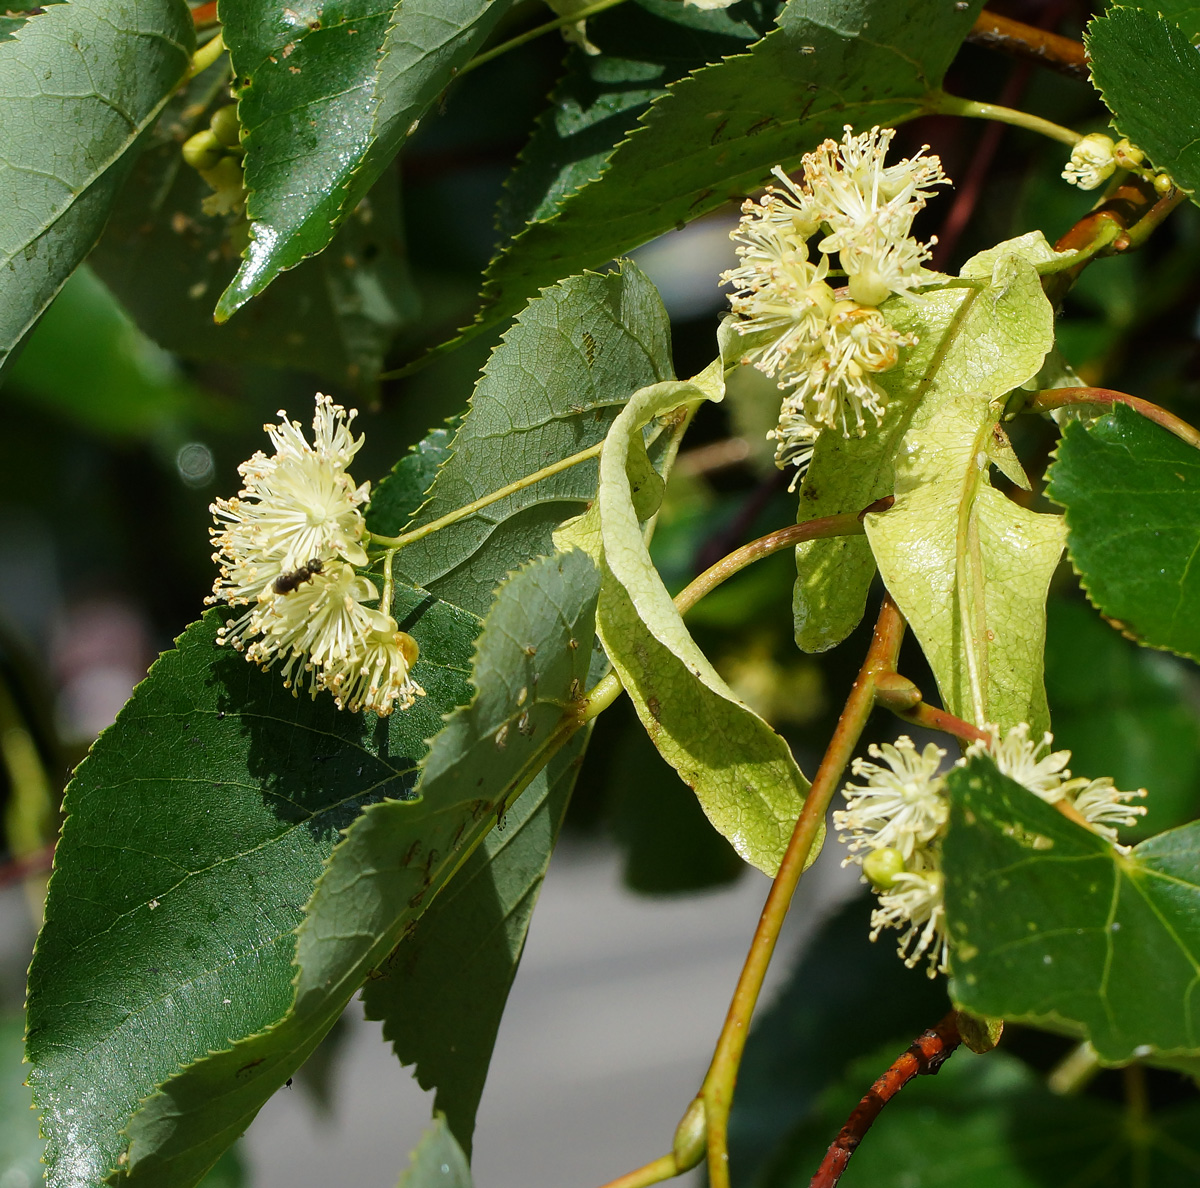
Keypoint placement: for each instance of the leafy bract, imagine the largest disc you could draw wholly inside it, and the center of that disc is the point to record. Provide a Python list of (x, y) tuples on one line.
[(79, 85), (438, 1161), (1050, 924), (717, 132), (1148, 73), (326, 99), (968, 567), (530, 664), (551, 389), (442, 992), (742, 772), (166, 259), (1132, 496), (989, 1120), (195, 832)]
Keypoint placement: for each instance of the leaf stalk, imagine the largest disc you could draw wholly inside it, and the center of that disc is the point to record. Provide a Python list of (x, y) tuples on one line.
[(1052, 398), (939, 103)]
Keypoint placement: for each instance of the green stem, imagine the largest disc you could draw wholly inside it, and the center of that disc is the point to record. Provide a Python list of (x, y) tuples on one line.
[(663, 1168), (531, 34), (939, 103), (718, 1086), (1073, 1073), (205, 56), (469, 509)]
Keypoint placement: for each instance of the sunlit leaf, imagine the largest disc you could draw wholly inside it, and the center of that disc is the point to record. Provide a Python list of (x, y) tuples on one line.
[(1051, 925)]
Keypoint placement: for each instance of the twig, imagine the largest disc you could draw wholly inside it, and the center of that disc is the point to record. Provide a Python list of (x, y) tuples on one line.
[(718, 1086), (925, 1055), (1030, 44), (1053, 398), (39, 862)]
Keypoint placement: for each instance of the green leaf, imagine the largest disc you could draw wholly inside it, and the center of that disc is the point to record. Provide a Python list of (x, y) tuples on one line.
[(195, 832), (742, 772), (597, 102), (166, 259), (399, 495), (1127, 712), (438, 1161), (442, 992), (988, 1120), (551, 389), (326, 100), (392, 862), (1148, 73), (1184, 13), (1051, 925), (17, 12), (669, 847), (1132, 496), (79, 85), (89, 364), (717, 132), (968, 567)]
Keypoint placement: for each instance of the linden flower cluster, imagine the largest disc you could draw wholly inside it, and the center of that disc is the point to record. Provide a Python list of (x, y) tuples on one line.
[(895, 823), (826, 345), (289, 547)]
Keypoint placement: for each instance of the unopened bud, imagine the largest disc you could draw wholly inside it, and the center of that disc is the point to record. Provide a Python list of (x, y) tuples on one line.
[(1093, 161), (1163, 183), (203, 150), (882, 866), (225, 127), (1128, 156), (691, 1136)]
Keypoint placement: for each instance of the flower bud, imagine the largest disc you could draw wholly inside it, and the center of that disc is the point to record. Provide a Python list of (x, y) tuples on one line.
[(691, 1136), (225, 127), (1129, 156), (1093, 161), (203, 150), (882, 866)]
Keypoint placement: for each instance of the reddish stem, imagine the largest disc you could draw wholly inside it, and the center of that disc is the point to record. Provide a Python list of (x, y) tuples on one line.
[(1053, 398), (205, 14), (1030, 44), (39, 862), (925, 1055)]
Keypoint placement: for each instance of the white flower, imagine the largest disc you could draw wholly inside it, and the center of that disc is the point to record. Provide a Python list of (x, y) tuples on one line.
[(835, 388), (795, 439), (1103, 806), (1021, 759), (297, 506), (378, 677), (321, 624), (869, 208), (1093, 161), (1098, 802), (902, 806), (916, 904), (710, 3)]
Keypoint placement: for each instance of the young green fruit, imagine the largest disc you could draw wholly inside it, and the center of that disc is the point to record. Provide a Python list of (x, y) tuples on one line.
[(203, 150), (882, 866), (225, 126)]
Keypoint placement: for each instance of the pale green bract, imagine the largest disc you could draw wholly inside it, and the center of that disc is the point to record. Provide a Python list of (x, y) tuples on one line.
[(742, 772), (968, 567)]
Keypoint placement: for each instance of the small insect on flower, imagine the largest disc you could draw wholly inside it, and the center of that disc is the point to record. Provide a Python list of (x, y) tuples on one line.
[(290, 547), (285, 583)]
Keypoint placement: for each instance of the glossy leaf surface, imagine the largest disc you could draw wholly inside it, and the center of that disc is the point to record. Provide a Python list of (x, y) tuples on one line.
[(392, 862), (195, 833), (1053, 926), (1132, 496), (79, 85)]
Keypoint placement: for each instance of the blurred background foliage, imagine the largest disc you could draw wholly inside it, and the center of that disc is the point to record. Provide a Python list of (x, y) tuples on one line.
[(129, 410)]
